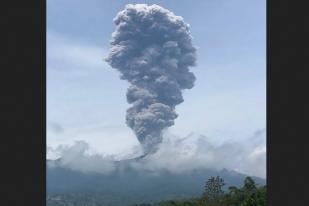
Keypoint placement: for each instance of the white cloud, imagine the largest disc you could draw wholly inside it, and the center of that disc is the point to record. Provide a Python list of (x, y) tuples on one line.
[(105, 138), (79, 157), (248, 157), (181, 154)]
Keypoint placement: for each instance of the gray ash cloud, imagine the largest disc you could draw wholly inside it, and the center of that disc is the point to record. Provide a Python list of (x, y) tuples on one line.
[(152, 49)]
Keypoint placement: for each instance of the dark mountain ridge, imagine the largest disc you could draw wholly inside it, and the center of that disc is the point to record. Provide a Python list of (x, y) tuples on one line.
[(127, 184)]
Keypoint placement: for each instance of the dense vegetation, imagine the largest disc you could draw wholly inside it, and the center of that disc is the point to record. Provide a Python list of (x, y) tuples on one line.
[(250, 194)]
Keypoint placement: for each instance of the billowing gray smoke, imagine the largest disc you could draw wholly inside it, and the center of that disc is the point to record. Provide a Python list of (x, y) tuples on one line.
[(152, 48)]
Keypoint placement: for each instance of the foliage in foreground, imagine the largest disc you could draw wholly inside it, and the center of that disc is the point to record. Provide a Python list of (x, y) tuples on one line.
[(248, 195)]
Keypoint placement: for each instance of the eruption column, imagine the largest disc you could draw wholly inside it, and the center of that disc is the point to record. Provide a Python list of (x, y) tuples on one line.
[(152, 49)]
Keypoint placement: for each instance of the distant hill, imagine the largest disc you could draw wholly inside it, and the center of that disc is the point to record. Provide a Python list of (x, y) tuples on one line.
[(127, 186)]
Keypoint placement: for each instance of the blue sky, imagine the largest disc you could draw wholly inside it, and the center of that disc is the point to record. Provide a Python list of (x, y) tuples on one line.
[(86, 99)]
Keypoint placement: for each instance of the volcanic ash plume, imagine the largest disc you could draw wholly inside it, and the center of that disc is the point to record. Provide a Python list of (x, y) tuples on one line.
[(152, 48)]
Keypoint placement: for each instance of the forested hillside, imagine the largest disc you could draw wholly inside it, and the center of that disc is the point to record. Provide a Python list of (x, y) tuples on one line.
[(129, 186), (249, 194)]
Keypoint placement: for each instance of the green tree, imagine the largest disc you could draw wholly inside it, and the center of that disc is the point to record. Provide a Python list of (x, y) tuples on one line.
[(249, 184), (213, 192)]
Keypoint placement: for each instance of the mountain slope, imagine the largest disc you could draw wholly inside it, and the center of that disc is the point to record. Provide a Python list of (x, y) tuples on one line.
[(127, 185)]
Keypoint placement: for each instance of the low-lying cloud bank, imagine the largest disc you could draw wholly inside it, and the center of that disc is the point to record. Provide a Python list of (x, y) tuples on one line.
[(78, 157), (175, 155)]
